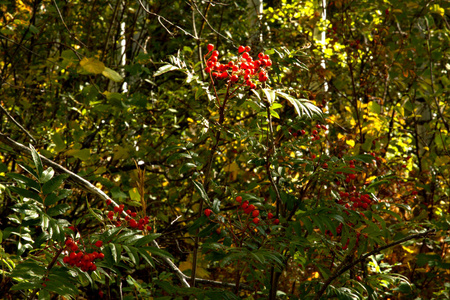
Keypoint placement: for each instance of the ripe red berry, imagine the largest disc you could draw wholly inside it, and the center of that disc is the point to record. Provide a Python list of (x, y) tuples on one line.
[(241, 49), (133, 214), (208, 212), (239, 199), (101, 255), (247, 49), (276, 221), (256, 220), (270, 216), (215, 53), (108, 202), (149, 228), (210, 47), (358, 278), (255, 213), (98, 244)]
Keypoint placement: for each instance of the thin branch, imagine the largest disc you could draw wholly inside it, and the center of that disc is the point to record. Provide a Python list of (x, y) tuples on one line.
[(347, 265), (67, 28), (209, 25), (17, 123), (164, 19)]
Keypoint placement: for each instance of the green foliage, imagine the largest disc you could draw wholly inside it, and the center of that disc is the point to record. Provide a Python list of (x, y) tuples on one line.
[(340, 153)]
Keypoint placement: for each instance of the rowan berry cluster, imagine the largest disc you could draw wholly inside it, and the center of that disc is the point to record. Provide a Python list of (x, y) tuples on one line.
[(130, 219), (251, 210), (85, 261), (245, 67)]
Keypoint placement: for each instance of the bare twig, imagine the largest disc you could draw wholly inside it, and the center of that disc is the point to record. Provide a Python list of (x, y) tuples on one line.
[(17, 123), (167, 21)]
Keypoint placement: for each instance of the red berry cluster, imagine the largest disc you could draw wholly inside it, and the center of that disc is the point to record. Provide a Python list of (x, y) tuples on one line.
[(354, 197), (251, 210), (245, 67), (130, 219), (83, 260)]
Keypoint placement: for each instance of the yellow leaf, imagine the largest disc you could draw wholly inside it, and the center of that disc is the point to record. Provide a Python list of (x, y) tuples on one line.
[(111, 74), (92, 65), (351, 143)]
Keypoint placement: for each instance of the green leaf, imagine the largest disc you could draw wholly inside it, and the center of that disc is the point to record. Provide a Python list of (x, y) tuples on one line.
[(53, 183), (302, 106), (147, 239), (165, 69), (83, 154), (47, 175), (157, 251), (37, 162), (112, 248), (58, 209), (148, 258), (92, 65), (201, 190), (25, 193), (132, 253), (270, 95), (111, 74), (25, 180)]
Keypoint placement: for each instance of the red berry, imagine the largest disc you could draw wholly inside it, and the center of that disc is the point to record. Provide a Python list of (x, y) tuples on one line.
[(133, 214), (241, 49), (270, 216), (149, 228), (100, 293), (72, 228), (108, 202), (239, 199), (247, 49), (255, 213), (98, 244), (215, 53), (69, 242), (276, 221), (101, 255), (133, 223), (256, 220), (210, 47), (358, 278), (208, 212)]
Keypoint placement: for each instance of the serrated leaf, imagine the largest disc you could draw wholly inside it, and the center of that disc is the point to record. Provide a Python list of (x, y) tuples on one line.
[(92, 65), (111, 74)]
